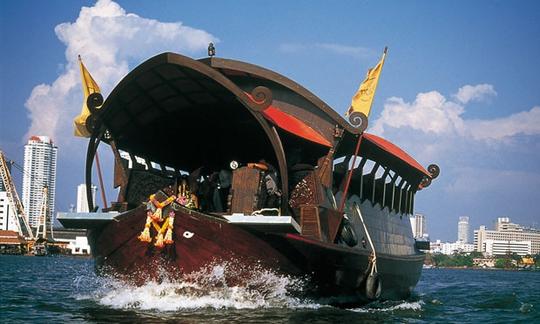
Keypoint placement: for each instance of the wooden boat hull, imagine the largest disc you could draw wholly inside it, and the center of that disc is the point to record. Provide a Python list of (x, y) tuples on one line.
[(201, 240)]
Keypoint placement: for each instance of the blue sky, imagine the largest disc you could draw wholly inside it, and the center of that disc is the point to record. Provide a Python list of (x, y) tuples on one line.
[(460, 87)]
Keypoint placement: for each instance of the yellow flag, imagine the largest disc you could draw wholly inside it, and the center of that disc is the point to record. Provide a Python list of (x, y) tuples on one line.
[(362, 100), (89, 86)]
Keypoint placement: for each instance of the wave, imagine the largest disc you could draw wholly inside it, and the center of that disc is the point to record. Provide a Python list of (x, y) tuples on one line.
[(389, 306), (215, 287)]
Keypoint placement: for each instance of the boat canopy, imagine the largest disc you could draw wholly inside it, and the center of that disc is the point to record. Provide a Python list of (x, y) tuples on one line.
[(184, 113)]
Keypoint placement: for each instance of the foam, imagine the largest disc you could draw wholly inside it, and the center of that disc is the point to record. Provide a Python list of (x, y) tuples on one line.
[(207, 288)]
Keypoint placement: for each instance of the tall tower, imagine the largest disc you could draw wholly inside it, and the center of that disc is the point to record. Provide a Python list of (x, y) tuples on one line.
[(39, 171), (463, 229), (419, 226), (82, 202)]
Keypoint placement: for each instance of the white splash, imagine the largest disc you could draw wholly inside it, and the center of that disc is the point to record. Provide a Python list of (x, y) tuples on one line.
[(207, 288)]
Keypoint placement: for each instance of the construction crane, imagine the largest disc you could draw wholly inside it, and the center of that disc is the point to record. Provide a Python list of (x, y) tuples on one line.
[(44, 217), (13, 199)]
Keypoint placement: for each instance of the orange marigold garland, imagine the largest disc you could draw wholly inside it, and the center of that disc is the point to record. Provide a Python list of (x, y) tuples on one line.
[(170, 224), (154, 216)]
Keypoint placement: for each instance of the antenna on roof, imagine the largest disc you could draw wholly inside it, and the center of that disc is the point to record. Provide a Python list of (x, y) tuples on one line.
[(211, 50)]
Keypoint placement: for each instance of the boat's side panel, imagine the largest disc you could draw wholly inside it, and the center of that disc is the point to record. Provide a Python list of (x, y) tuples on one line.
[(343, 270), (391, 233), (200, 240)]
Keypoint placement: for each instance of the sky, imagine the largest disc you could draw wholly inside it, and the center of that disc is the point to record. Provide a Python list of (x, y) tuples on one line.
[(460, 86)]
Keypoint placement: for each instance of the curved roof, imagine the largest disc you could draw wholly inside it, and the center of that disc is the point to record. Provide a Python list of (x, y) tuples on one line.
[(233, 67), (211, 111), (395, 152)]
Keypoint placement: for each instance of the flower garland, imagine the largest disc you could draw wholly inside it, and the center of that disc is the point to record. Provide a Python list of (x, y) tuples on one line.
[(155, 219)]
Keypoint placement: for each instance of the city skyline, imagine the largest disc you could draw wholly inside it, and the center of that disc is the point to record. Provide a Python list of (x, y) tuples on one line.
[(466, 101)]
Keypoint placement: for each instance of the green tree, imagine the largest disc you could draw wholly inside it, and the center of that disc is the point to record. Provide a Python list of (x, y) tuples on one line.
[(500, 263)]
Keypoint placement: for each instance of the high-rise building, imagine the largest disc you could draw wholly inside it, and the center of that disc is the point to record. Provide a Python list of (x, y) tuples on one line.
[(8, 218), (82, 202), (418, 225), (39, 171), (463, 229), (507, 237)]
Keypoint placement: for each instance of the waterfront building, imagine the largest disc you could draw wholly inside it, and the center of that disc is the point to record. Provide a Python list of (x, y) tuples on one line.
[(507, 232), (8, 218), (484, 262), (39, 171), (79, 246), (500, 247), (463, 229), (82, 202), (11, 242), (72, 239), (450, 248)]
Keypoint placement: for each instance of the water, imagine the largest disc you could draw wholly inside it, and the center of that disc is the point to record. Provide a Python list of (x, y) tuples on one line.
[(65, 289)]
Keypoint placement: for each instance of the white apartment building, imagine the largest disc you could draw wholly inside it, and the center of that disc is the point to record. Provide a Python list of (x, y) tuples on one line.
[(463, 229), (8, 218), (451, 248), (82, 202), (79, 246), (498, 247), (506, 232), (40, 156)]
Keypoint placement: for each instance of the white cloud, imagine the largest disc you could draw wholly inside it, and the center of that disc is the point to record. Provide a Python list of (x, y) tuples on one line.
[(432, 113), (429, 113), (108, 39), (478, 92), (525, 123), (340, 49)]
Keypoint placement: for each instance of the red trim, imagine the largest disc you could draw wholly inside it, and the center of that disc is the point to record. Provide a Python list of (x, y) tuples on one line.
[(396, 151), (294, 125)]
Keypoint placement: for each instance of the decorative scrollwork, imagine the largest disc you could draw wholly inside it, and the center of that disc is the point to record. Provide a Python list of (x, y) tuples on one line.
[(434, 170), (358, 120), (92, 123), (261, 97), (426, 181), (94, 102)]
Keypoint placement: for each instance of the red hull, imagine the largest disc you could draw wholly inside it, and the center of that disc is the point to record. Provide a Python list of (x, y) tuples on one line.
[(201, 240)]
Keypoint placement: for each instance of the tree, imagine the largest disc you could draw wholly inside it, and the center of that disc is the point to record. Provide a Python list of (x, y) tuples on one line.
[(500, 263)]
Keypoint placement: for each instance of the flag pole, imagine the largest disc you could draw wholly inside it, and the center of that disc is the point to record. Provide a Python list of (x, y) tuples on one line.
[(102, 188), (357, 149)]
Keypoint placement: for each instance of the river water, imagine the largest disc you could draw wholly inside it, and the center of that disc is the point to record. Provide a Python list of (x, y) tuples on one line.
[(65, 289)]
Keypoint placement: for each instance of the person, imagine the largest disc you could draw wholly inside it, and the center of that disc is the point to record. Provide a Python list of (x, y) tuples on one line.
[(271, 185)]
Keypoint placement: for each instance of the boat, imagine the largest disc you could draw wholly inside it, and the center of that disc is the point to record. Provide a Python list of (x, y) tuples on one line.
[(218, 160)]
